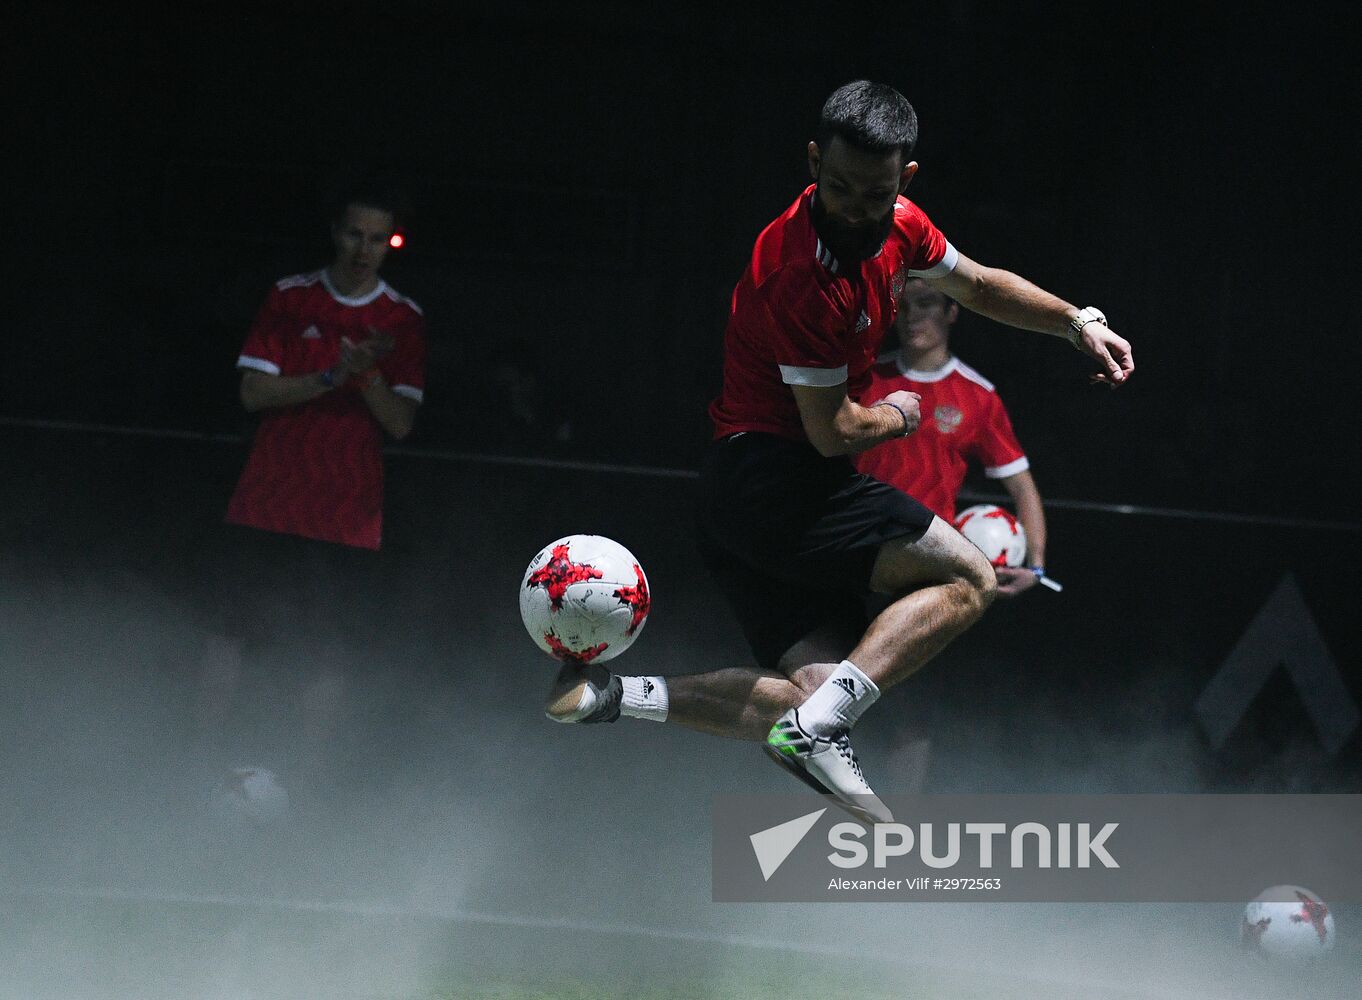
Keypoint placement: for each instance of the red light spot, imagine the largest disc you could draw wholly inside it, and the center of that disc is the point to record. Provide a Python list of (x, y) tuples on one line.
[(396, 240)]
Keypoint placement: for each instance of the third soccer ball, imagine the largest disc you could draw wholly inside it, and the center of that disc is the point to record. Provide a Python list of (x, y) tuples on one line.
[(995, 532), (1287, 921), (584, 599)]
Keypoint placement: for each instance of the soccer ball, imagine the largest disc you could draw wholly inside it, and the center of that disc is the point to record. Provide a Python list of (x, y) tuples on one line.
[(995, 532), (1287, 921), (250, 794), (584, 599)]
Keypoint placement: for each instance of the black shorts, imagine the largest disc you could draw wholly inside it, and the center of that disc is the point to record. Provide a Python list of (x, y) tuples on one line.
[(270, 587), (792, 536)]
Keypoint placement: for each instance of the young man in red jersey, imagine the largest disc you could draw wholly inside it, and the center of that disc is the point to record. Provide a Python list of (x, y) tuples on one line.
[(333, 362), (334, 359), (794, 534), (963, 420)]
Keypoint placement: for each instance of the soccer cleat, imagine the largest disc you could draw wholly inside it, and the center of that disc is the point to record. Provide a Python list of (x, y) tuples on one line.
[(584, 694), (828, 766)]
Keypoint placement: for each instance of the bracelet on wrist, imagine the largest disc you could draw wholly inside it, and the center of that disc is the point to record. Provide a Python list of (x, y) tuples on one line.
[(1038, 570), (902, 413)]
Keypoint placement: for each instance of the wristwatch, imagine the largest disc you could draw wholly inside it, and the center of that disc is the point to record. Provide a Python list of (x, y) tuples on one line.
[(1089, 314)]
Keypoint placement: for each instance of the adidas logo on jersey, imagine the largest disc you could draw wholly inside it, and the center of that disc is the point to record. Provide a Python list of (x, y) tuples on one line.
[(312, 333)]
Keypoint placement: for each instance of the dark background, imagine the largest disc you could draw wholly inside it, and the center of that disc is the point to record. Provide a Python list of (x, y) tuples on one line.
[(589, 180)]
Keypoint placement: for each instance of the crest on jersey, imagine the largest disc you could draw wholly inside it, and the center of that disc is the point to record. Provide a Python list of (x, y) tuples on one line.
[(947, 418), (898, 281)]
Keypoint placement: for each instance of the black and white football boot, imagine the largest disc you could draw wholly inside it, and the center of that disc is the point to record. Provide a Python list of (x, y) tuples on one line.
[(827, 765)]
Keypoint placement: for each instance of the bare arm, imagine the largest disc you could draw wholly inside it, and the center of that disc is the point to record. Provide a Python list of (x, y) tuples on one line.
[(395, 413), (1031, 514), (261, 391), (838, 426), (1009, 298)]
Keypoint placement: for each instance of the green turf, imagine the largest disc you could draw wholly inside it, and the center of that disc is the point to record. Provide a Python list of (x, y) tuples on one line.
[(152, 950)]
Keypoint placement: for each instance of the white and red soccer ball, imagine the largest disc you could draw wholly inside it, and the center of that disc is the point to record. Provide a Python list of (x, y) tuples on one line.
[(584, 599), (1287, 921), (995, 532)]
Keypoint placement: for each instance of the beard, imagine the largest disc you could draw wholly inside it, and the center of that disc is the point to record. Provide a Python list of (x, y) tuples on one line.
[(849, 244)]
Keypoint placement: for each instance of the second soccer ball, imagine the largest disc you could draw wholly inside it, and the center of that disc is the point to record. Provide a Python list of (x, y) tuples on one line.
[(995, 532)]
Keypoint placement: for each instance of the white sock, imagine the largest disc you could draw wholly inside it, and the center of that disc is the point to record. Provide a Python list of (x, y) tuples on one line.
[(644, 698), (838, 702)]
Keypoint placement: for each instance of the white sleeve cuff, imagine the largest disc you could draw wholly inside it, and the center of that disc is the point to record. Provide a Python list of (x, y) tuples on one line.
[(257, 364), (410, 391), (944, 266), (1010, 469), (821, 377)]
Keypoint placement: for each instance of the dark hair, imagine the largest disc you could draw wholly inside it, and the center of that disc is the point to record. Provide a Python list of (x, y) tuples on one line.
[(372, 190), (946, 300), (871, 116)]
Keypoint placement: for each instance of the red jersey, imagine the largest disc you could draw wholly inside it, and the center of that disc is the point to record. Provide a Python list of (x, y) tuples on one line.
[(801, 317), (316, 469), (962, 420)]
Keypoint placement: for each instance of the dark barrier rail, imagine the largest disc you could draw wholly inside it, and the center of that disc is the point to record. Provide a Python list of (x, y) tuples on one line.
[(1096, 688)]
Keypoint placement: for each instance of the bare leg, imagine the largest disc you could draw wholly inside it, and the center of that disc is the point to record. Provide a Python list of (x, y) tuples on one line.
[(219, 678), (949, 585), (945, 584), (323, 709), (740, 702)]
